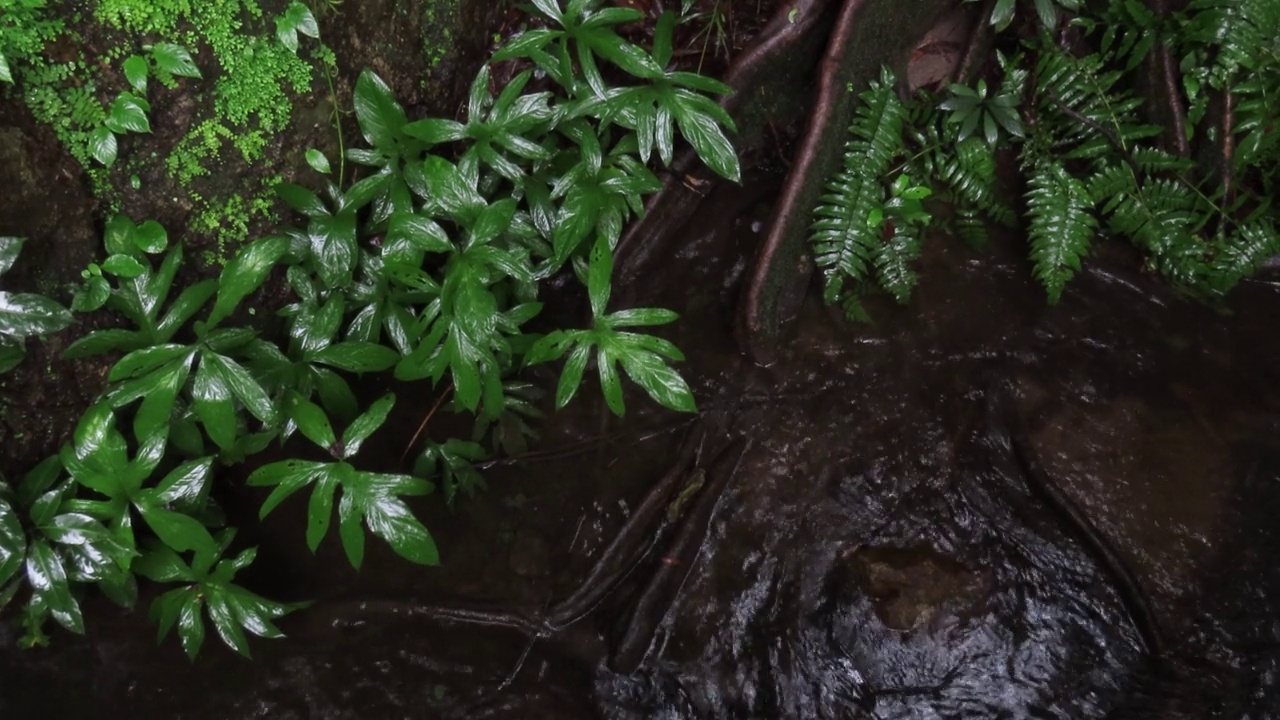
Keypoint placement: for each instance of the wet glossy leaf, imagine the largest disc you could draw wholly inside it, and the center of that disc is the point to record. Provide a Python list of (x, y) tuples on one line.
[(662, 383), (571, 377), (103, 145), (185, 487), (641, 316), (245, 388), (610, 383), (301, 199), (10, 248), (48, 580), (707, 138), (213, 403), (124, 266), (320, 508), (190, 625), (418, 231), (174, 59), (187, 304), (13, 542), (6, 73), (374, 497), (365, 425), (350, 530), (435, 130), (358, 357), (318, 161), (26, 314), (245, 274), (225, 620), (599, 277), (333, 240), (380, 116), (178, 531), (128, 114), (136, 71), (312, 422), (289, 476)]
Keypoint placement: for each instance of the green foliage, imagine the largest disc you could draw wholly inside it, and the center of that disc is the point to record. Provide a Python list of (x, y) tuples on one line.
[(23, 315), (471, 216), (1088, 160), (373, 498), (24, 30), (1047, 11)]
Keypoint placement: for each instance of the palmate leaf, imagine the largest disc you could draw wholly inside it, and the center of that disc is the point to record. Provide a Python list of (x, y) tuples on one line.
[(1061, 224)]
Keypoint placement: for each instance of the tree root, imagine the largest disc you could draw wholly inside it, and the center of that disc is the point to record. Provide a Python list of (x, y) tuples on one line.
[(1042, 486)]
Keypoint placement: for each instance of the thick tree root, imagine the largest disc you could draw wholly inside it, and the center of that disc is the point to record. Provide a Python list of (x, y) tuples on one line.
[(1043, 487), (770, 81), (666, 582)]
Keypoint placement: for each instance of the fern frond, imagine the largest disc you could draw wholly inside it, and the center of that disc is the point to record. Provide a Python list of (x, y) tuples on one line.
[(1061, 226), (1239, 255), (969, 170), (969, 226), (844, 237), (876, 130), (894, 260)]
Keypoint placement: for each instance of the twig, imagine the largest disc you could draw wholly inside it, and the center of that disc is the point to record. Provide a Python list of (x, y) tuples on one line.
[(423, 425)]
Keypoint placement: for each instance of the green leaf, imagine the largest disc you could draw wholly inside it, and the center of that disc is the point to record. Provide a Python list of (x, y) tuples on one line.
[(312, 422), (128, 114), (302, 20), (244, 387), (225, 621), (350, 529), (190, 625), (186, 486), (550, 8), (390, 519), (289, 476), (318, 161), (418, 231), (103, 146), (123, 266), (610, 384), (571, 377), (212, 401), (599, 277), (662, 383), (188, 303), (136, 71), (435, 131), (356, 357), (48, 580), (709, 141), (6, 74), (10, 248), (146, 360), (174, 59), (365, 425), (150, 237), (24, 314), (334, 240), (245, 274), (13, 542), (634, 317), (380, 116), (320, 508), (301, 199), (178, 531)]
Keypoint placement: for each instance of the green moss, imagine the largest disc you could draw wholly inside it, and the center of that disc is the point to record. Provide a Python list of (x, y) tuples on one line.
[(437, 36), (227, 221)]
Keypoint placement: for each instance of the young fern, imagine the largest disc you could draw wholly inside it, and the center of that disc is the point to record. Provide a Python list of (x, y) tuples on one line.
[(1060, 224), (846, 234)]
